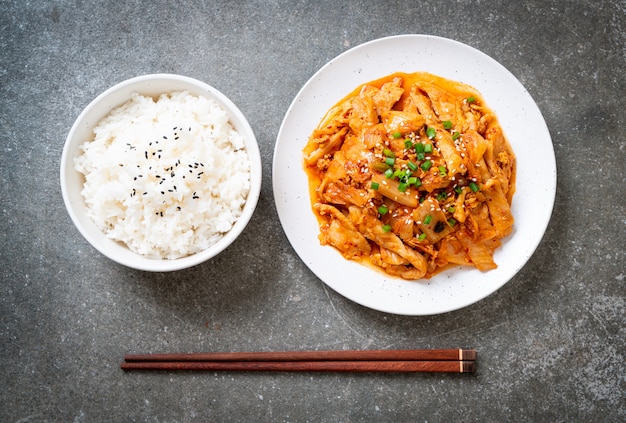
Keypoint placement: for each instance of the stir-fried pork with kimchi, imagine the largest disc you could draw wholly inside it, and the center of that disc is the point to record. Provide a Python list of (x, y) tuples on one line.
[(412, 173)]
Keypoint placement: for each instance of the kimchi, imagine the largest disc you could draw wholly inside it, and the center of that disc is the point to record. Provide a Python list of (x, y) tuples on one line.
[(411, 174)]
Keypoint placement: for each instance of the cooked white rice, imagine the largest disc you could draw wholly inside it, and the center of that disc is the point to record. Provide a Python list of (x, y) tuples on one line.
[(168, 178)]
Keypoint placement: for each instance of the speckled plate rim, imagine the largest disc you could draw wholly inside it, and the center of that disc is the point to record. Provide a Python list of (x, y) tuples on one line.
[(523, 125)]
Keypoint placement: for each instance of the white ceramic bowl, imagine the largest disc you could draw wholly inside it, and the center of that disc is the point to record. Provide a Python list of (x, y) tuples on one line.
[(72, 181)]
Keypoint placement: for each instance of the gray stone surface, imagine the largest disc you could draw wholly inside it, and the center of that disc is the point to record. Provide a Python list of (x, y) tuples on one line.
[(551, 341)]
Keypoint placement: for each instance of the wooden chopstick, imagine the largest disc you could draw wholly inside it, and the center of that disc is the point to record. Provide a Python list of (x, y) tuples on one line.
[(447, 361), (449, 366), (457, 354)]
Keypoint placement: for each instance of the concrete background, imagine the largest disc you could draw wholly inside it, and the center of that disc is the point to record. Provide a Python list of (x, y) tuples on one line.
[(551, 342)]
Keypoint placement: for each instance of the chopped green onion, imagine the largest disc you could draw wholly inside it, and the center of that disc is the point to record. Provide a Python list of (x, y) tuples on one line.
[(397, 134), (422, 237), (402, 187), (431, 132), (451, 209), (383, 209), (412, 166), (443, 171), (389, 161), (473, 186), (388, 153), (428, 148), (408, 143), (419, 147), (387, 228), (398, 174), (458, 189), (426, 165), (422, 199), (413, 180), (389, 173), (375, 185), (451, 222), (380, 166), (471, 99), (455, 135), (447, 124), (421, 156), (428, 219), (441, 196), (417, 183)]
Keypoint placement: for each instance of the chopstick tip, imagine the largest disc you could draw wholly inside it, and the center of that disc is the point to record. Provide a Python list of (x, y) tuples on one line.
[(468, 366), (468, 354)]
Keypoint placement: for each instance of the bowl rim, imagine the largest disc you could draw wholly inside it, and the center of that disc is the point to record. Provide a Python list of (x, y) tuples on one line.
[(114, 250)]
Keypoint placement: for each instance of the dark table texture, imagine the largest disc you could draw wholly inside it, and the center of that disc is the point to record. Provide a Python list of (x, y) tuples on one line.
[(551, 342)]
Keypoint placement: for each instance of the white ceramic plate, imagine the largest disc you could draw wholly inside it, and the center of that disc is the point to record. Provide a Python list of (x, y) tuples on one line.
[(523, 125)]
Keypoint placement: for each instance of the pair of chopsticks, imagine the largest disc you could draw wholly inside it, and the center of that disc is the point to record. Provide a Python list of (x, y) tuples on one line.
[(448, 361)]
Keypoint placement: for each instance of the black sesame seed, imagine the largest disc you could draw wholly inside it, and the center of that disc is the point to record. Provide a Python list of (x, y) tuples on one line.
[(439, 227)]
